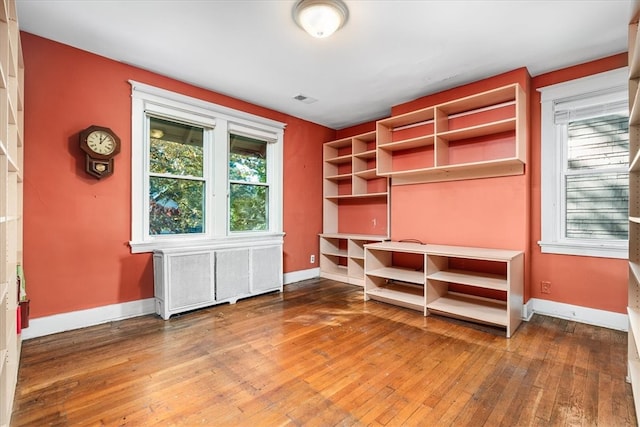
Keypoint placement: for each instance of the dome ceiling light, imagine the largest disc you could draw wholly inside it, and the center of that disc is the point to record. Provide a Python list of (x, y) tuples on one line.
[(320, 18)]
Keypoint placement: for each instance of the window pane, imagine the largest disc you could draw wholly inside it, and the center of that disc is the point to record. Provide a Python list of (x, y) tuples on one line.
[(176, 206), (247, 159), (175, 148), (597, 206), (248, 207), (598, 143)]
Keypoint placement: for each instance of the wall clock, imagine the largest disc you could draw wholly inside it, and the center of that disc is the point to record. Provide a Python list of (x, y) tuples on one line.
[(100, 145)]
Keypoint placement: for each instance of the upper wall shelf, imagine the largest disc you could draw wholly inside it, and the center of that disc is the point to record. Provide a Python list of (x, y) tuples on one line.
[(477, 136)]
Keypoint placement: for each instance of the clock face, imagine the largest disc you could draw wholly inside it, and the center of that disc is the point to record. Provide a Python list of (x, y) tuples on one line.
[(101, 142)]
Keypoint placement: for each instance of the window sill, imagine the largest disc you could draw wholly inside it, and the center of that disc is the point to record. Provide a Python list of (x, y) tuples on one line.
[(582, 249), (262, 239)]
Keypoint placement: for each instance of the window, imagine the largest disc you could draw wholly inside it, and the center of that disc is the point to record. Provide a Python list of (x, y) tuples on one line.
[(248, 186), (585, 150), (176, 178), (202, 173)]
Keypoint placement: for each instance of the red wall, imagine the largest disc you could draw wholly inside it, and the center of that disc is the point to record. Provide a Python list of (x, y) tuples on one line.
[(589, 282), (76, 229)]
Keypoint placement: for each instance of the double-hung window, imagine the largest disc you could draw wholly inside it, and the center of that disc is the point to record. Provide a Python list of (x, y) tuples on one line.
[(585, 152), (202, 174), (177, 183), (248, 184)]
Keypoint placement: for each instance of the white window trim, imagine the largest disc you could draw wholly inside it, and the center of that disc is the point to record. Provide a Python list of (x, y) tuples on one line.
[(552, 155), (149, 99)]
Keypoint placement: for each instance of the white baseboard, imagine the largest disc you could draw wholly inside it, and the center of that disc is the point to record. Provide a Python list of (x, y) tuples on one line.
[(300, 275), (590, 316), (81, 319), (48, 325)]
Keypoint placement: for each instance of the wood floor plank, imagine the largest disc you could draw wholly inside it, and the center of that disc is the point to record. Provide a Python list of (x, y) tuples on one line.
[(319, 355)]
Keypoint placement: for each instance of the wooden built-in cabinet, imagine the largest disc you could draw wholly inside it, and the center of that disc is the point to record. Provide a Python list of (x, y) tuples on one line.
[(11, 160), (478, 136), (634, 207), (350, 182), (430, 278)]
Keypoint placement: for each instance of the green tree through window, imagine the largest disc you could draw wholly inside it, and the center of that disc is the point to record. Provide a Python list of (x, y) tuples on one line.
[(176, 182), (248, 186)]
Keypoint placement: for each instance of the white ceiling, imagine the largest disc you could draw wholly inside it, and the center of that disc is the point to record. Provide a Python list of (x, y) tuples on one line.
[(388, 53)]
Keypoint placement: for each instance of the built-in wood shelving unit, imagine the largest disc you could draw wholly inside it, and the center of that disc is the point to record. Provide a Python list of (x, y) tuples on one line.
[(633, 304), (428, 285), (349, 177), (11, 169), (478, 136)]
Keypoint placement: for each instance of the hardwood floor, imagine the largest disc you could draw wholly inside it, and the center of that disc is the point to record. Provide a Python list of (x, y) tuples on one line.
[(318, 355)]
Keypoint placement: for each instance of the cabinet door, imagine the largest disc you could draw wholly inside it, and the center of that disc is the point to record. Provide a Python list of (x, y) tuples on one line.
[(232, 274), (266, 269), (190, 280)]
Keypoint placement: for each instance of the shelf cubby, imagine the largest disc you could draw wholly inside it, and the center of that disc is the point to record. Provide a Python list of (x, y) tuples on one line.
[(342, 256)]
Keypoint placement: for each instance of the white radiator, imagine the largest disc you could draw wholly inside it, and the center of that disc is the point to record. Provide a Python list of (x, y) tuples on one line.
[(190, 278)]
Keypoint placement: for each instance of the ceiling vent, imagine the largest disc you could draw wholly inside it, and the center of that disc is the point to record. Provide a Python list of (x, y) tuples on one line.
[(304, 98)]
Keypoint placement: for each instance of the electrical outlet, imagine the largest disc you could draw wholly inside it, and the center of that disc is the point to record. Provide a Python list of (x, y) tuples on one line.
[(545, 287), (312, 259)]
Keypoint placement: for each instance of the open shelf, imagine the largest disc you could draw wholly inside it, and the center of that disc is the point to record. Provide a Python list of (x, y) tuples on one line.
[(3, 358), (634, 272), (634, 166), (469, 307), (479, 130), (406, 144), (634, 372), (503, 167), (367, 174), (399, 274), (399, 294), (356, 196), (634, 321), (340, 159), (341, 177), (369, 154), (478, 279), (338, 253)]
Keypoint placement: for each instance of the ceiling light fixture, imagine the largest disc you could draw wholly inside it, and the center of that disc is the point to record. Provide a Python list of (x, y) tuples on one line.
[(320, 18)]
